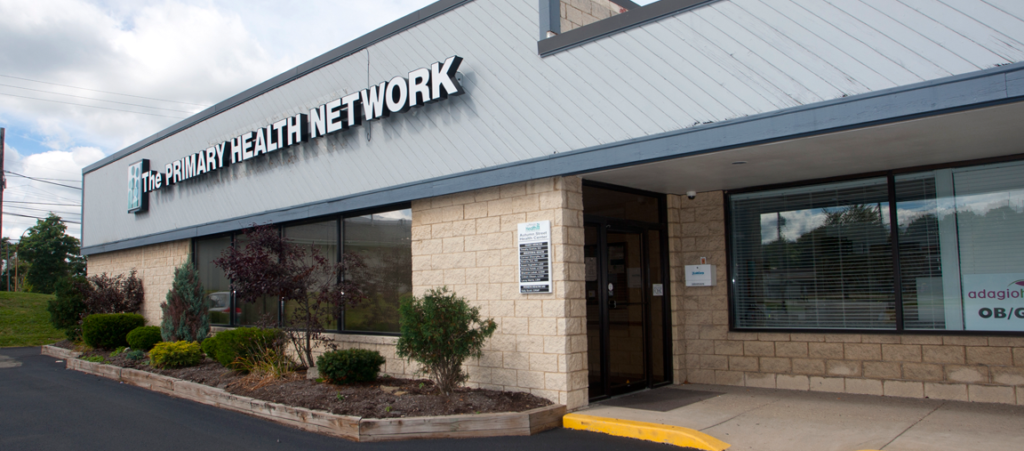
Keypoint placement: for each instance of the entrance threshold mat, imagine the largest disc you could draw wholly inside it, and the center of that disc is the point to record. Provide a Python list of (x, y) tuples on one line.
[(660, 399)]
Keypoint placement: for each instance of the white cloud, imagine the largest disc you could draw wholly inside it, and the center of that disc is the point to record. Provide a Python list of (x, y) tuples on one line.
[(192, 51)]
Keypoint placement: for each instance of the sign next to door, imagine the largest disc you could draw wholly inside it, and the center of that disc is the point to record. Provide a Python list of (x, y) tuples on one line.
[(424, 85), (535, 257)]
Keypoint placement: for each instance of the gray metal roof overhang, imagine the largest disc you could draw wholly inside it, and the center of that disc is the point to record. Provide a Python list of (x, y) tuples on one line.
[(978, 95)]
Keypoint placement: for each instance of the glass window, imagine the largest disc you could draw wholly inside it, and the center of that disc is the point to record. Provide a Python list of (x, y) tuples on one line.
[(962, 264), (815, 257), (320, 238), (216, 285), (262, 312), (383, 242)]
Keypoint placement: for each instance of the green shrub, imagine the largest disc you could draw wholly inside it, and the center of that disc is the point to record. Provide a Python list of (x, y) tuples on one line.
[(110, 330), (94, 359), (135, 354), (209, 346), (440, 331), (242, 342), (349, 365), (66, 308), (178, 354), (144, 338)]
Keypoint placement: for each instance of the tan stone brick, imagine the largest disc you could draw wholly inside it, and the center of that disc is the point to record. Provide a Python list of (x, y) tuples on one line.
[(923, 372), (791, 349), (901, 353), (760, 380), (842, 368), (825, 350), (758, 348), (773, 337), (1018, 356), (965, 341), (792, 382), (903, 389), (880, 339), (854, 351), (700, 376), (863, 386), (1008, 376), (946, 392), (989, 356), (943, 354), (1006, 341), (985, 393), (729, 378), (843, 338), (920, 340), (724, 347), (968, 374), (714, 362), (882, 370), (739, 363), (828, 384), (775, 365), (809, 366)]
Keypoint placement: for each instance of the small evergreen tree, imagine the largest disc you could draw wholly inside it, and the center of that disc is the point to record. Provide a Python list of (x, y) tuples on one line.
[(185, 312)]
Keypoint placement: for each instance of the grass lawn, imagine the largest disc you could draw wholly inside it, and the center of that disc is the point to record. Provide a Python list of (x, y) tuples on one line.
[(24, 320)]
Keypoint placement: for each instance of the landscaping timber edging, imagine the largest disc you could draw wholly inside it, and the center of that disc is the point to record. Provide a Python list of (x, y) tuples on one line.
[(345, 426), (60, 353)]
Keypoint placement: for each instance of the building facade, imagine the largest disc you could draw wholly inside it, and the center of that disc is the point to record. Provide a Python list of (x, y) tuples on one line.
[(809, 195)]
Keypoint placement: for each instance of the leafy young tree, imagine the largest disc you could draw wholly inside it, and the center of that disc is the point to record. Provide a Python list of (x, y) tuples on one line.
[(52, 254), (272, 265), (440, 331), (185, 315)]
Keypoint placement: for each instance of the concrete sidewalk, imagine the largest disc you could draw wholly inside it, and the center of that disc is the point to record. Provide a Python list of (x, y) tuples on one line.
[(770, 420)]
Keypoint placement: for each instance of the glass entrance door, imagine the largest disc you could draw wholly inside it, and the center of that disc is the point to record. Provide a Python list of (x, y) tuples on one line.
[(624, 330)]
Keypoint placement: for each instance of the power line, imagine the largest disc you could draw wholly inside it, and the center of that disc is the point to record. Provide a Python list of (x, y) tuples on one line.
[(93, 98), (45, 209), (41, 203), (90, 106), (105, 92), (37, 217), (41, 180)]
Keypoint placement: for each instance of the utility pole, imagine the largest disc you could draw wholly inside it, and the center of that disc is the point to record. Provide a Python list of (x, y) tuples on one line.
[(3, 186)]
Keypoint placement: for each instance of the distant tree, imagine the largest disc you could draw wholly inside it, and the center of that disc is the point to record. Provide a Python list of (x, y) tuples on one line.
[(52, 254), (272, 265), (186, 313)]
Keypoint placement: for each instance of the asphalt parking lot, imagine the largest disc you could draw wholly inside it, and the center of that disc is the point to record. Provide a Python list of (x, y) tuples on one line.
[(45, 407)]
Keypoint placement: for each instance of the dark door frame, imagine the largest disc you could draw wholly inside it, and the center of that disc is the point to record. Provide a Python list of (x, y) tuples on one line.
[(604, 225)]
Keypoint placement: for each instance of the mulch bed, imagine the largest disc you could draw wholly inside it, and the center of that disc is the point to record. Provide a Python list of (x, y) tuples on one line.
[(388, 397)]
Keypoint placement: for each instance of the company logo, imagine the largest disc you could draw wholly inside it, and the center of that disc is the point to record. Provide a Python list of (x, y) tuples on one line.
[(434, 83), (535, 227), (138, 198), (1013, 291), (1010, 293)]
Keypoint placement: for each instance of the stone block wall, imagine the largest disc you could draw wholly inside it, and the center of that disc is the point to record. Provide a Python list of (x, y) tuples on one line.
[(963, 368), (578, 13), (154, 264), (467, 241)]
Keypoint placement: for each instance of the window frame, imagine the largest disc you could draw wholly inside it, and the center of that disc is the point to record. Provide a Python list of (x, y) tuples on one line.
[(339, 219), (890, 176)]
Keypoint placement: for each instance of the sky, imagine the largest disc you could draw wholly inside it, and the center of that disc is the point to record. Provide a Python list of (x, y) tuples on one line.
[(82, 79)]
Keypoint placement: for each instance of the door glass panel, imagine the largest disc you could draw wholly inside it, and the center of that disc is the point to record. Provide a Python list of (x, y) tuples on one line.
[(590, 254), (625, 310), (657, 306)]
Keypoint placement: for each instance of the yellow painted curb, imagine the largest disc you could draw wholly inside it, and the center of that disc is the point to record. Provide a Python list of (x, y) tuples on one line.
[(661, 433)]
